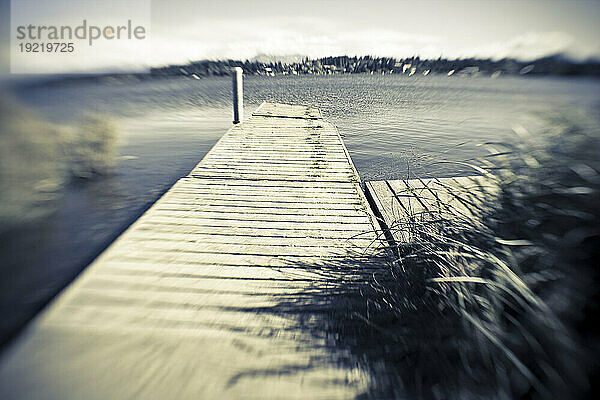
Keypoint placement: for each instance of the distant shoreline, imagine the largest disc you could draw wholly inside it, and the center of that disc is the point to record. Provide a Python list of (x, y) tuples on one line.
[(557, 65)]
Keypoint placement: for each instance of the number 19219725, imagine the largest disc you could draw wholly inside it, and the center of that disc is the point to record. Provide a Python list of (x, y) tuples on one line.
[(56, 47)]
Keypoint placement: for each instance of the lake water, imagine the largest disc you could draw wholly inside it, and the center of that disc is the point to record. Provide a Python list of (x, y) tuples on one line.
[(394, 127)]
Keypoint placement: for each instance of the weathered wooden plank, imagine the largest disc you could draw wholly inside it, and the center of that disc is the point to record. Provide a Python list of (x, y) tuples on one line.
[(198, 215), (291, 232), (187, 303), (262, 182), (207, 237), (351, 227), (253, 199), (290, 273), (267, 192), (278, 174), (242, 190), (287, 111), (262, 166), (335, 210), (402, 203), (252, 176), (459, 196), (299, 193), (229, 204), (385, 201)]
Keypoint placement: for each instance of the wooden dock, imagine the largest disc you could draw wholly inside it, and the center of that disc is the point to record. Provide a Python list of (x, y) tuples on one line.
[(174, 308), (400, 203)]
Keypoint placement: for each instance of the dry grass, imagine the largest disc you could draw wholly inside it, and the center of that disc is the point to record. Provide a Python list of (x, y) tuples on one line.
[(499, 297), (93, 147), (31, 171), (38, 157)]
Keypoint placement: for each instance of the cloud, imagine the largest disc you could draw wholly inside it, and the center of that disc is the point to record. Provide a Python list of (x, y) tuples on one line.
[(315, 37), (527, 46), (307, 36)]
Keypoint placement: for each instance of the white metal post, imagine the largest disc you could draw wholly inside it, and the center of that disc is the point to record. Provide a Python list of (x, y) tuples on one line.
[(238, 95)]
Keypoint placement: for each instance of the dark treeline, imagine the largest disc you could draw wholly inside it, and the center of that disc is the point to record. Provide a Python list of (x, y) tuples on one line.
[(554, 65)]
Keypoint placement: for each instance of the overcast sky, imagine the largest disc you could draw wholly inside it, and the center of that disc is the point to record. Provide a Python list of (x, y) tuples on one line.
[(525, 29), (183, 30)]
